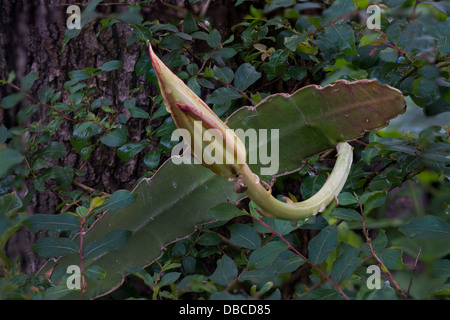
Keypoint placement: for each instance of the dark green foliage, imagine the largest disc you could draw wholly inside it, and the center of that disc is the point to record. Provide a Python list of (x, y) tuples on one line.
[(398, 190)]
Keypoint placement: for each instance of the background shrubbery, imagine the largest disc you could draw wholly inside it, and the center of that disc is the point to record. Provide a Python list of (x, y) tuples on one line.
[(83, 122)]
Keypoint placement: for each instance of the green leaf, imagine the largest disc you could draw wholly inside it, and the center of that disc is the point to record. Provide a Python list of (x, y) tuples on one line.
[(115, 138), (398, 145), (223, 53), (9, 203), (142, 33), (76, 96), (311, 185), (389, 55), (152, 159), (192, 69), (129, 150), (346, 263), (189, 23), (280, 226), (205, 83), (54, 247), (442, 6), (62, 106), (392, 258), (79, 75), (441, 268), (223, 95), (274, 4), (60, 174), (337, 9), (213, 38), (11, 77), (288, 262), (226, 271), (10, 221), (86, 130), (320, 118), (225, 211), (69, 34), (297, 72), (9, 158), (200, 35), (141, 274), (52, 222), (111, 65), (144, 66), (28, 81), (169, 278), (323, 244), (245, 76), (380, 241), (194, 86), (369, 153), (346, 198), (112, 241), (172, 42), (166, 128), (209, 239), (26, 111), (277, 62), (267, 254), (118, 200), (224, 74), (12, 100), (95, 272), (341, 35), (443, 290), (291, 42), (45, 94), (429, 227), (372, 200), (243, 235), (163, 27), (386, 292), (53, 150), (260, 276), (378, 244), (4, 134), (322, 294), (135, 112), (346, 214), (39, 185)]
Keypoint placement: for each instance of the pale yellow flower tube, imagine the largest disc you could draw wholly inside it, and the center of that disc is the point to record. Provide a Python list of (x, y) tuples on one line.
[(186, 108)]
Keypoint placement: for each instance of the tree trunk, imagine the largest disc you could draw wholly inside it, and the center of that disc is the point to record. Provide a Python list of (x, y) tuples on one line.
[(31, 35)]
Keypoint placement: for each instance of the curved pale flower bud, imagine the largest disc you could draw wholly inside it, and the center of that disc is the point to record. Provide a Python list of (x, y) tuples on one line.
[(289, 210), (201, 123)]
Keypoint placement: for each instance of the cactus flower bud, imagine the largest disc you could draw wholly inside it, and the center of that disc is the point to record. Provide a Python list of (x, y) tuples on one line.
[(197, 120), (194, 116)]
